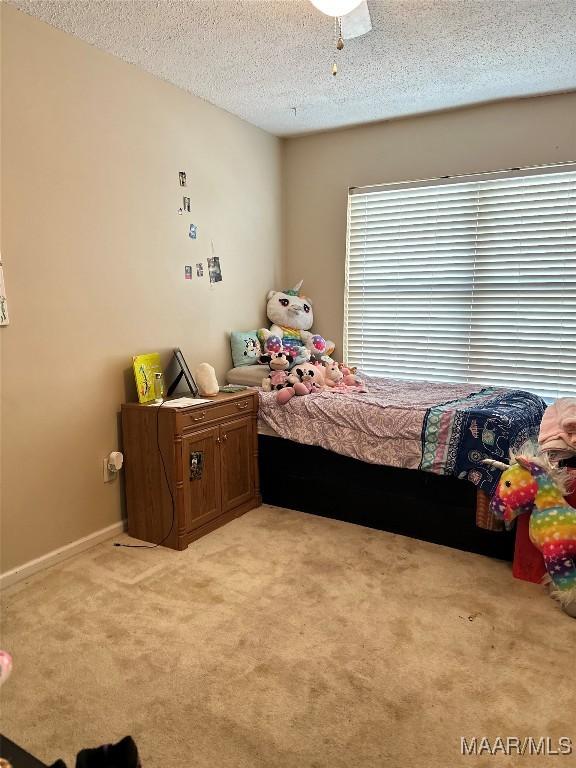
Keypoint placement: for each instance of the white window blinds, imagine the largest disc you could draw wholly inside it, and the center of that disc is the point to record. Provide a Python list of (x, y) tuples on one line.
[(470, 279)]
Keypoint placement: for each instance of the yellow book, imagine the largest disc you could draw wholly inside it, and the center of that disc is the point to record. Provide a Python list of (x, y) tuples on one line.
[(145, 366)]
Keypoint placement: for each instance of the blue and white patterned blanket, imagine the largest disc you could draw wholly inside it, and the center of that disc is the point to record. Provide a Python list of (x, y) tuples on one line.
[(458, 435)]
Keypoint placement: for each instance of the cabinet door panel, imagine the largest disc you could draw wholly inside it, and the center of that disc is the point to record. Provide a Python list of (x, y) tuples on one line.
[(237, 462), (201, 475)]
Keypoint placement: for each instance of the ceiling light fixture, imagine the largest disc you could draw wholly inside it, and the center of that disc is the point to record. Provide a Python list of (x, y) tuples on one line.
[(335, 7)]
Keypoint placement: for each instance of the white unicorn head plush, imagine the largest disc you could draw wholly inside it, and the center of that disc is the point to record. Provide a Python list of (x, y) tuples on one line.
[(292, 317)]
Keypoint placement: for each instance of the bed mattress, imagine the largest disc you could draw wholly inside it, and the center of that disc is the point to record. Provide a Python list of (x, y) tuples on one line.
[(447, 429)]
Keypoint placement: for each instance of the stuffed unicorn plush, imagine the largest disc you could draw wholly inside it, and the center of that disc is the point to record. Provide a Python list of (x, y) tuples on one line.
[(292, 317), (532, 484)]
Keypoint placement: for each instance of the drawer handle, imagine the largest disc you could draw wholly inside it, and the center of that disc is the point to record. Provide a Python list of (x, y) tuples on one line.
[(242, 406), (199, 418), (224, 437)]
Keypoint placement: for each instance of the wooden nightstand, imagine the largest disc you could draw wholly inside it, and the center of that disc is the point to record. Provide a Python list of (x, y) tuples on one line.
[(211, 457)]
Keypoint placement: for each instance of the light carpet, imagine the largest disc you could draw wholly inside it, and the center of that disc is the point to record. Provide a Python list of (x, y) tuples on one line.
[(287, 640)]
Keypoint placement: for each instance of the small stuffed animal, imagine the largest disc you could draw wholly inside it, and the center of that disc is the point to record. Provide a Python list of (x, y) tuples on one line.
[(332, 374), (277, 361), (279, 380), (275, 380), (349, 376), (282, 383), (286, 386), (311, 375)]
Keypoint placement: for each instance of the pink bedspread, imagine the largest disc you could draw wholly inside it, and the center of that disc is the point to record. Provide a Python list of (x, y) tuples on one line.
[(380, 426)]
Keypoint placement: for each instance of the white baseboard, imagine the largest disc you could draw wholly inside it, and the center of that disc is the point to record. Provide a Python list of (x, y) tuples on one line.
[(57, 555)]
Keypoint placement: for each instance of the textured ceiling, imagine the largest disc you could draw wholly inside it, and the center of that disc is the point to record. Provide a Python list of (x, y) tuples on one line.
[(260, 58)]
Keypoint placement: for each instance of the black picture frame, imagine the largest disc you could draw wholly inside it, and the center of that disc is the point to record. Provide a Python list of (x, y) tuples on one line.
[(184, 372)]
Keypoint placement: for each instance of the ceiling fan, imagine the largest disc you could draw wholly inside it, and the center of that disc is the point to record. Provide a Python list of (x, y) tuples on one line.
[(351, 19)]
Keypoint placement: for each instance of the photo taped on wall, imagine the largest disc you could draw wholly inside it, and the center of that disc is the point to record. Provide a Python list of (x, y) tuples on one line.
[(214, 270)]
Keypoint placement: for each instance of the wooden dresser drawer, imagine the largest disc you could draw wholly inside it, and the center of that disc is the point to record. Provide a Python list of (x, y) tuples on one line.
[(210, 413)]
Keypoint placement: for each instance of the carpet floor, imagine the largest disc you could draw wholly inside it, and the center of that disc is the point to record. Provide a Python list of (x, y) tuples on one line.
[(287, 640)]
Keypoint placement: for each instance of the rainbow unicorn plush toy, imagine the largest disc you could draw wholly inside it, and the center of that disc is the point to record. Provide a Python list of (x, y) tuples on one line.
[(532, 484)]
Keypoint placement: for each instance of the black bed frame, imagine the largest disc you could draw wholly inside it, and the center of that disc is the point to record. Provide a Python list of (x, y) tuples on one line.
[(435, 508)]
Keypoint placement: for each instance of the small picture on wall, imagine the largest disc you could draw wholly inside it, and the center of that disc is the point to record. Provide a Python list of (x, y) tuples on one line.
[(193, 232), (188, 272), (199, 270), (186, 204), (214, 270), (182, 177)]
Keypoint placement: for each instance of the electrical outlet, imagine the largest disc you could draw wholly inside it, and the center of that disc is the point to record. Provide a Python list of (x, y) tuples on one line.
[(107, 475)]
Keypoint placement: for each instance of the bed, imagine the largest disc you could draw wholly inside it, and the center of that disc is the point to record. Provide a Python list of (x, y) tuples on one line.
[(395, 456)]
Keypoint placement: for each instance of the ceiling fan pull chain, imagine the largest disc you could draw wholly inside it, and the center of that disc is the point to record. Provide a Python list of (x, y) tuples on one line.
[(338, 40)]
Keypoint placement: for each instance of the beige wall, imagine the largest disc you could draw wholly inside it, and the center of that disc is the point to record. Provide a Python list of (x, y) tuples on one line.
[(318, 170), (94, 255)]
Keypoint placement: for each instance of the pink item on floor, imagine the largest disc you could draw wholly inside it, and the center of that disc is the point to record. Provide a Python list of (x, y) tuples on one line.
[(558, 427), (5, 666)]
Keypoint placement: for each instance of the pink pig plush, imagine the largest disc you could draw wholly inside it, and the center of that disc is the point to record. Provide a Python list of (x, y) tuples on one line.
[(349, 378)]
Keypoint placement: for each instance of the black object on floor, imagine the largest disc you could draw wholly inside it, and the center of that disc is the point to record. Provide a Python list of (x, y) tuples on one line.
[(18, 757), (124, 754), (436, 508)]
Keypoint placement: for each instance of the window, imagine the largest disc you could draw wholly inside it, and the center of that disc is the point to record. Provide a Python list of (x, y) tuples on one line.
[(471, 279)]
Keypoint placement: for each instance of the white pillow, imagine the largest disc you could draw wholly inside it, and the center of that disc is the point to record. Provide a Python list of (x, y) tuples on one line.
[(248, 375)]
